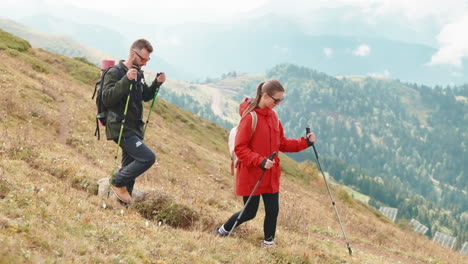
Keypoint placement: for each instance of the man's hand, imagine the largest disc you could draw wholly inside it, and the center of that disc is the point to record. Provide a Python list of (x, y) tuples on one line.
[(161, 77), (132, 74)]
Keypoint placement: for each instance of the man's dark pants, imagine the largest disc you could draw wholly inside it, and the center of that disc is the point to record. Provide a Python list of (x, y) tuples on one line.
[(136, 159)]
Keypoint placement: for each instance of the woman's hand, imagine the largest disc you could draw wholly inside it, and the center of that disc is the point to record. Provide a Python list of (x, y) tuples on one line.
[(267, 164), (310, 139)]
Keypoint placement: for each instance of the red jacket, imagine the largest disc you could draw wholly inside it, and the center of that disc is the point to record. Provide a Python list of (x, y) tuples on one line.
[(267, 138)]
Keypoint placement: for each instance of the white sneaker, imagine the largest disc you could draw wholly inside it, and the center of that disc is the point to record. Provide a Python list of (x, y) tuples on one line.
[(221, 232), (268, 244)]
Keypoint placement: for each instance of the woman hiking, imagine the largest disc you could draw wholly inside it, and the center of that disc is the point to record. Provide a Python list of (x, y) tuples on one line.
[(253, 150)]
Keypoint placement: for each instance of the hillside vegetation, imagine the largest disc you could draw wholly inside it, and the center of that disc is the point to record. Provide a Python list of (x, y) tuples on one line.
[(50, 163)]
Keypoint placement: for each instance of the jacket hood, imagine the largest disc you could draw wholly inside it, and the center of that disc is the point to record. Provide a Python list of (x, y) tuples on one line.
[(262, 111), (244, 105)]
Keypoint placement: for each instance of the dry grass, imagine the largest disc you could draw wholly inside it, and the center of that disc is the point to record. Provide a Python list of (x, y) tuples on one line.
[(49, 212)]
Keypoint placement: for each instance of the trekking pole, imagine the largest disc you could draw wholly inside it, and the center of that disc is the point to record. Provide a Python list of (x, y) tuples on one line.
[(151, 108), (331, 196), (121, 132), (271, 157)]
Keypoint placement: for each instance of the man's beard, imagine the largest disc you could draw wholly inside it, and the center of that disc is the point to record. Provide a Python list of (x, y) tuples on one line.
[(134, 63)]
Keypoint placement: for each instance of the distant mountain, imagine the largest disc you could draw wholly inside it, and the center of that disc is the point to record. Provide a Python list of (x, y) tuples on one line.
[(62, 43), (96, 36), (54, 42), (115, 41), (255, 45)]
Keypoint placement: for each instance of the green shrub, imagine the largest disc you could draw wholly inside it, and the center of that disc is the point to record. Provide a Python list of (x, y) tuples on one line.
[(344, 196), (37, 65), (84, 60), (12, 52), (23, 152), (158, 206), (81, 69), (85, 184)]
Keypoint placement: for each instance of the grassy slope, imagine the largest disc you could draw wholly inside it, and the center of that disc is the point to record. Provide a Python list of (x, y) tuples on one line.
[(49, 162)]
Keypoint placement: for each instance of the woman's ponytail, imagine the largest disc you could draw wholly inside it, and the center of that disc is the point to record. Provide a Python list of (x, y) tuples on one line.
[(254, 103)]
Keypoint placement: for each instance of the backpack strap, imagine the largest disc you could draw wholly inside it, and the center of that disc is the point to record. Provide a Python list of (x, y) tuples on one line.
[(95, 88), (254, 123), (97, 132)]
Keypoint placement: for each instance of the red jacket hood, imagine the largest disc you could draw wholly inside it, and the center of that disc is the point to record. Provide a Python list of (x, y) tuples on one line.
[(261, 111), (244, 105)]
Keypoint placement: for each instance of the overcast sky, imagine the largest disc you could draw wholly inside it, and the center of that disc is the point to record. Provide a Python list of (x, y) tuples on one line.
[(450, 17)]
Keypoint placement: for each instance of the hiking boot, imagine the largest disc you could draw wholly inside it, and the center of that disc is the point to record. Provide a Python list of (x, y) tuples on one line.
[(122, 194)]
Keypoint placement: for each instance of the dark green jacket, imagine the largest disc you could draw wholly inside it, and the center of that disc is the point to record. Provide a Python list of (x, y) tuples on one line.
[(114, 95)]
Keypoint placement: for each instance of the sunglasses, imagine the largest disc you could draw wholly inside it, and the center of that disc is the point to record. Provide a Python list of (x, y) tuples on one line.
[(143, 60), (277, 101)]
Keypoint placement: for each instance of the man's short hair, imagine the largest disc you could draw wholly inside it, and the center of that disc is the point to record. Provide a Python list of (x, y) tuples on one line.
[(140, 44)]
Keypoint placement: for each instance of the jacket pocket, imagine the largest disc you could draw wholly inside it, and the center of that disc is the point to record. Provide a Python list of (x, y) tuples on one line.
[(113, 117)]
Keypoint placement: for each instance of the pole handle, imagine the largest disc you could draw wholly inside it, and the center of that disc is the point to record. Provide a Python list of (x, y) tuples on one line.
[(272, 156), (313, 145)]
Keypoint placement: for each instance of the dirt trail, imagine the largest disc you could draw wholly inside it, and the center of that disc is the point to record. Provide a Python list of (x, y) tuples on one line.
[(217, 104), (64, 126), (64, 132)]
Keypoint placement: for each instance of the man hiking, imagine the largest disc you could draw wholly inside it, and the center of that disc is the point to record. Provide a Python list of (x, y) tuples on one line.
[(122, 81)]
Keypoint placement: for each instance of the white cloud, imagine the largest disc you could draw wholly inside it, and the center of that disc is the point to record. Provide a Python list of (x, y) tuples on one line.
[(453, 42), (411, 9), (363, 50), (328, 52), (414, 9)]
